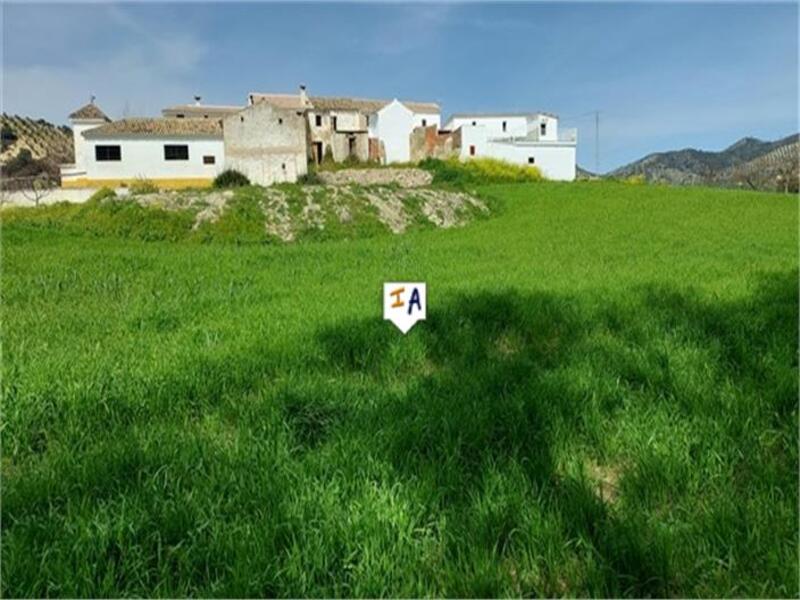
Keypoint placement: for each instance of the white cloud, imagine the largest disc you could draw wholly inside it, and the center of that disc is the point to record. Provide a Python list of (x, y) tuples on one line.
[(143, 69)]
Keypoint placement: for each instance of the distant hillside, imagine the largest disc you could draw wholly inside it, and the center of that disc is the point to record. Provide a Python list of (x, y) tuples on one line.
[(778, 169), (691, 166), (42, 139)]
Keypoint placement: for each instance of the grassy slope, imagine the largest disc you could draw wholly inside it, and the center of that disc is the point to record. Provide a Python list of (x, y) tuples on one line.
[(221, 420)]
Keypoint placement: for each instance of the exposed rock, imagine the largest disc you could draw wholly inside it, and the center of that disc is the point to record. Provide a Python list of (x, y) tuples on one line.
[(405, 178)]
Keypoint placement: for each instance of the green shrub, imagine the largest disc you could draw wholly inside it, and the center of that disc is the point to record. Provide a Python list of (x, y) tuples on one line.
[(635, 180), (230, 178), (102, 194), (479, 171), (310, 178), (143, 186)]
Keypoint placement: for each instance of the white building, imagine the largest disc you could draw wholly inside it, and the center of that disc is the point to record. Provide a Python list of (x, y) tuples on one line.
[(169, 152), (521, 138), (276, 135), (393, 123)]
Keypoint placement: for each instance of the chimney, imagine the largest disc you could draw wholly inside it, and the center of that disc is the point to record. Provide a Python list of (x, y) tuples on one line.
[(303, 96), (197, 100)]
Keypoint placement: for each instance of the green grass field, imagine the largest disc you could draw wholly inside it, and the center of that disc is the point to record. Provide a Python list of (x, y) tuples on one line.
[(603, 401)]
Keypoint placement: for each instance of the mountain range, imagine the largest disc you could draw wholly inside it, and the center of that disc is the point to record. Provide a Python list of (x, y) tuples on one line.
[(750, 162)]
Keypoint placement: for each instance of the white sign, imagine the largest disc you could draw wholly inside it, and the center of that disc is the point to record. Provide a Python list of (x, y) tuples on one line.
[(404, 303)]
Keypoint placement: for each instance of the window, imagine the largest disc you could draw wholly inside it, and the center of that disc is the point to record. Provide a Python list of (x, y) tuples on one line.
[(543, 128), (241, 119), (103, 153), (333, 123), (505, 126), (474, 122), (472, 150), (179, 116), (209, 160), (531, 160), (318, 120), (424, 122), (176, 152)]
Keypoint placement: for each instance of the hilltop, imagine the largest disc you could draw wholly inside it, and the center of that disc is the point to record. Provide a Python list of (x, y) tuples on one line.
[(692, 166)]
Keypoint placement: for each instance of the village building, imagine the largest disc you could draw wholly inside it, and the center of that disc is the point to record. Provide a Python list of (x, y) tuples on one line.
[(361, 129), (169, 152), (200, 111), (521, 138), (275, 137), (266, 143)]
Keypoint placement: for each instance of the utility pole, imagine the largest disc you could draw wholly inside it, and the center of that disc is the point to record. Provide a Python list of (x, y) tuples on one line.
[(597, 142)]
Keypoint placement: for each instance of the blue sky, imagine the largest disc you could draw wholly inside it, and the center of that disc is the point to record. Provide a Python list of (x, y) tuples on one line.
[(663, 76)]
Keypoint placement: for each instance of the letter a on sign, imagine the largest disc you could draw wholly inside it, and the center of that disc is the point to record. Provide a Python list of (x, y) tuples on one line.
[(404, 304)]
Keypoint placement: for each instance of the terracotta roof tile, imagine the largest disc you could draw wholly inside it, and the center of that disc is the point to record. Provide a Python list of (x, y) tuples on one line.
[(89, 111), (159, 127), (366, 105)]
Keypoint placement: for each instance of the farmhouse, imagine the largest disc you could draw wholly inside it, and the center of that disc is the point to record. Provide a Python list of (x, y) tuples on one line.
[(170, 152), (522, 138), (276, 136), (357, 128)]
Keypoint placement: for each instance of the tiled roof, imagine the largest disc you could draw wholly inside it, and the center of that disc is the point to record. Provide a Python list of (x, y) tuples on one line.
[(212, 110), (285, 101), (89, 111), (159, 127), (365, 105)]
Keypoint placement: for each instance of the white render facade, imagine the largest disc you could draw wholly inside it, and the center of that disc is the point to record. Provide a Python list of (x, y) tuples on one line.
[(521, 138), (393, 124)]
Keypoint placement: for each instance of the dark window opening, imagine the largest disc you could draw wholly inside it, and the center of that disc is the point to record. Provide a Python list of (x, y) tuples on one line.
[(283, 166), (333, 123), (474, 122), (318, 120), (104, 153), (472, 150), (241, 119), (424, 122), (505, 125), (280, 121), (543, 128), (179, 116), (531, 160), (176, 152), (209, 160)]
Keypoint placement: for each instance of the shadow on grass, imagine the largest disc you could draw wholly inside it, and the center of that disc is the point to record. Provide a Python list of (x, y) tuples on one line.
[(504, 382), (218, 481)]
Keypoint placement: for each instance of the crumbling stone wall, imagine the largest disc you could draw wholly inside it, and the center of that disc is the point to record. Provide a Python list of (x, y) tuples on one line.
[(267, 144), (405, 178), (429, 142)]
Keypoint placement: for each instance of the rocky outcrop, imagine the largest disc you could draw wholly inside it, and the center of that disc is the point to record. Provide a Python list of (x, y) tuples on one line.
[(405, 178)]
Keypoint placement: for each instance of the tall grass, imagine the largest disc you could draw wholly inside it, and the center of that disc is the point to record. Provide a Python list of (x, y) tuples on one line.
[(602, 401)]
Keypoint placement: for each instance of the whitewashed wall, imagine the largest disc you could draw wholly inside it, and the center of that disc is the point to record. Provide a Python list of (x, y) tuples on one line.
[(79, 142), (427, 120), (393, 128), (143, 157), (555, 160), (516, 126)]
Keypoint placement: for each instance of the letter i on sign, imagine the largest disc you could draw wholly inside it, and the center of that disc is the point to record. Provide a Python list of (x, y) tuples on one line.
[(404, 303)]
